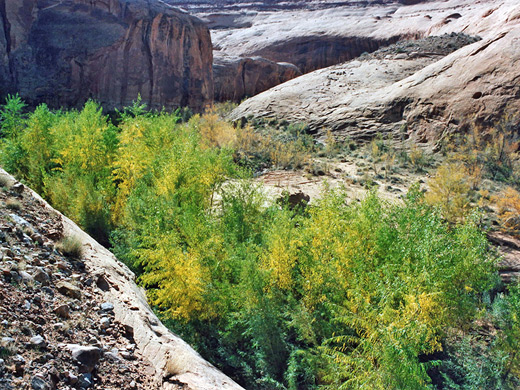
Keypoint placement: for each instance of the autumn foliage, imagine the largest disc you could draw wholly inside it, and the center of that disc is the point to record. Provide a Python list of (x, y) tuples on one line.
[(338, 295)]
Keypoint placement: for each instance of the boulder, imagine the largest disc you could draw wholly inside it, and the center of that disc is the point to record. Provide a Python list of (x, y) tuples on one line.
[(85, 356), (68, 289), (65, 52)]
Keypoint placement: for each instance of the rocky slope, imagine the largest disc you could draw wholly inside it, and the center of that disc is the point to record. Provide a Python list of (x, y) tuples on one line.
[(79, 322), (418, 93), (64, 52)]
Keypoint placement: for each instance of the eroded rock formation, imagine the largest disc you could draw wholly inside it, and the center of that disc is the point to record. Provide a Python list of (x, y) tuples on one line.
[(421, 94), (64, 52), (239, 77)]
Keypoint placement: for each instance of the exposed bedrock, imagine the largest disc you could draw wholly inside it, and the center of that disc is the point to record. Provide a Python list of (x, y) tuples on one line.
[(239, 77), (419, 93), (64, 52)]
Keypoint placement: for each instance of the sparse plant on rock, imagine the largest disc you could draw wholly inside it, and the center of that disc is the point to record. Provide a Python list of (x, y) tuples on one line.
[(13, 204), (70, 247)]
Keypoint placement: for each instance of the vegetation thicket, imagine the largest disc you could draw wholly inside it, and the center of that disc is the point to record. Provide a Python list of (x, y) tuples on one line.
[(361, 295)]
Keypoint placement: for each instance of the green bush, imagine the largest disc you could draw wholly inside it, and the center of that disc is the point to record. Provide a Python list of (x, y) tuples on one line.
[(332, 295)]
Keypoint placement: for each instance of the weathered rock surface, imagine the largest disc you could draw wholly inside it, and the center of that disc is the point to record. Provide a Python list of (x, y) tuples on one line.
[(239, 77), (107, 337), (65, 51), (260, 30), (315, 34), (421, 94)]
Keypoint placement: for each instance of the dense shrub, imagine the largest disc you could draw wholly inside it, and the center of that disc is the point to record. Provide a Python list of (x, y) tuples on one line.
[(337, 295)]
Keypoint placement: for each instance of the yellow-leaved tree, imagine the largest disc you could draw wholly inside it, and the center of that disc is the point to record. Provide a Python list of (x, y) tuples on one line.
[(449, 189)]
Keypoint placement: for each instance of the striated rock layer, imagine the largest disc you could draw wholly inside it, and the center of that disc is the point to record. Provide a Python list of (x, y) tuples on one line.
[(65, 51), (420, 94)]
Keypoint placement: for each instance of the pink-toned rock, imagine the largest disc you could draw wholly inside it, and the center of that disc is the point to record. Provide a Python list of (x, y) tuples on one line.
[(65, 52)]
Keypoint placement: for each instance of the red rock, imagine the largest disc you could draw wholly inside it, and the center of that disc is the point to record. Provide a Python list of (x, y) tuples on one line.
[(65, 52), (238, 77)]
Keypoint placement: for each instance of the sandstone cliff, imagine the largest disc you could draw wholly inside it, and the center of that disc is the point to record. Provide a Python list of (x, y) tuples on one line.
[(240, 77), (422, 94), (64, 52)]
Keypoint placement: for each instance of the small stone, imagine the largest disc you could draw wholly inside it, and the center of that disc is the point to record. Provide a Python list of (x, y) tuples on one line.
[(73, 379), (19, 365), (95, 342), (85, 381), (105, 323), (26, 330), (59, 326), (133, 385), (38, 383), (85, 357), (130, 347), (48, 291), (68, 289), (2, 366), (19, 220), (18, 188), (37, 300), (38, 341), (41, 276), (128, 355), (26, 305), (112, 356), (37, 238), (62, 266), (107, 306), (4, 323), (7, 342), (63, 311), (26, 277), (16, 276)]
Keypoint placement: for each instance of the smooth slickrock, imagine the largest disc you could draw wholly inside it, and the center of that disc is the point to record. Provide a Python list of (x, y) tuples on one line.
[(423, 97)]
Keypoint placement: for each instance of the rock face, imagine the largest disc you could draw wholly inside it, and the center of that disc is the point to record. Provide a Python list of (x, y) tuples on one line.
[(257, 36), (309, 53), (421, 93), (239, 77), (64, 52)]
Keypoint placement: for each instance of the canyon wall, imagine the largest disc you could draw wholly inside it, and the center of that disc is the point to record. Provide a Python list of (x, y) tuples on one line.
[(65, 52), (420, 92)]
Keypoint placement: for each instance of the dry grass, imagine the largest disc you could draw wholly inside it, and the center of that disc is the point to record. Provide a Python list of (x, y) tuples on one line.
[(70, 247), (13, 204)]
